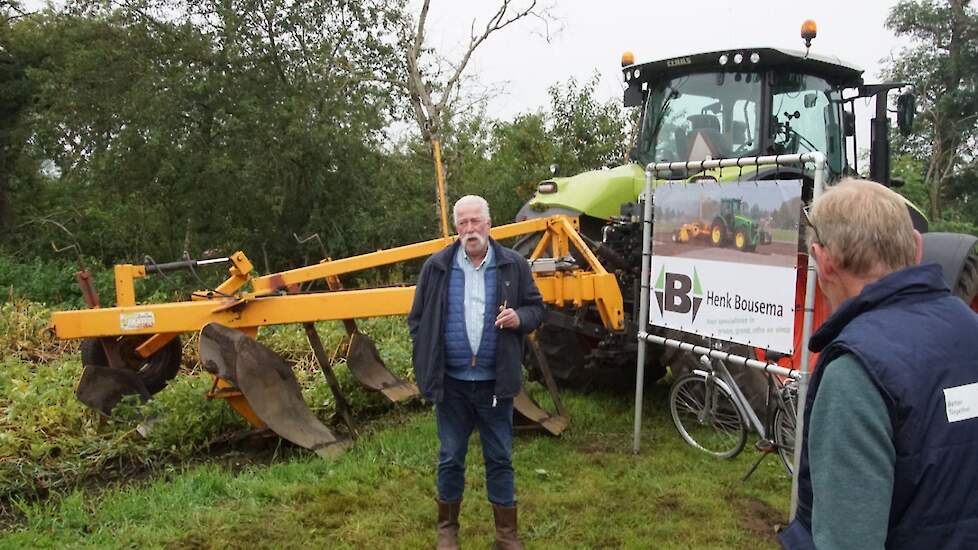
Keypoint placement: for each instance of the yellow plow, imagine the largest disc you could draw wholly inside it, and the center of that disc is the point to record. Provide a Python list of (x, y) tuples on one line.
[(134, 348)]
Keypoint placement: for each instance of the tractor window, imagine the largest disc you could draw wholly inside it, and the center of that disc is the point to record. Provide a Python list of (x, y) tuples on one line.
[(700, 116), (805, 117)]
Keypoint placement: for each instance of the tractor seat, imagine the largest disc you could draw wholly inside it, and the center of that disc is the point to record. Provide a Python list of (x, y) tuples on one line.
[(703, 122)]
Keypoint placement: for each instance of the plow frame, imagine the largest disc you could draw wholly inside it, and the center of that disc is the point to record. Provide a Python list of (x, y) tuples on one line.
[(277, 299), (272, 301)]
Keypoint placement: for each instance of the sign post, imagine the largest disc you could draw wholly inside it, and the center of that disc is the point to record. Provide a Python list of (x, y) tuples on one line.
[(721, 292)]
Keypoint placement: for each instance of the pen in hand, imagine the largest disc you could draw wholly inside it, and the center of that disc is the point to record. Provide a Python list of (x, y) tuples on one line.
[(502, 308)]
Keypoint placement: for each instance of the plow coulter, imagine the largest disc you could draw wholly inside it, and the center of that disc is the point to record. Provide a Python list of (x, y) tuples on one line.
[(134, 349)]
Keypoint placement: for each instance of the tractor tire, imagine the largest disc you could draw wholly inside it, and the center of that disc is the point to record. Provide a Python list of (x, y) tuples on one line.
[(565, 354), (584, 363), (967, 285), (153, 372), (740, 240), (717, 236)]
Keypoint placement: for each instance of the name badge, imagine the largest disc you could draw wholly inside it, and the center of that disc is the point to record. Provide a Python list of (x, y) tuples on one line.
[(961, 402)]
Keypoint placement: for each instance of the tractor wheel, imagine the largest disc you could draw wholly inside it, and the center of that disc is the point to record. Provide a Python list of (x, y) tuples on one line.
[(565, 354), (716, 235), (967, 285), (740, 240), (153, 372), (585, 363)]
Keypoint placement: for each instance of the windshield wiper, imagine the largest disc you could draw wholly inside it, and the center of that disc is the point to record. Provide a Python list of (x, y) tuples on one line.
[(673, 94)]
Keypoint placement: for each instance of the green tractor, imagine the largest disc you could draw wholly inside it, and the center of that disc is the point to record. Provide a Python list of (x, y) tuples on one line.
[(733, 226), (733, 103)]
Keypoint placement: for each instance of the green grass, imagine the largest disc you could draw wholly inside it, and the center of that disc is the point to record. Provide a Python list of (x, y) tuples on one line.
[(583, 490), (69, 481), (50, 442)]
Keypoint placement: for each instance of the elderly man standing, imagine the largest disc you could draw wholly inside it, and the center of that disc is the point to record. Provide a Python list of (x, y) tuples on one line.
[(890, 443), (474, 303)]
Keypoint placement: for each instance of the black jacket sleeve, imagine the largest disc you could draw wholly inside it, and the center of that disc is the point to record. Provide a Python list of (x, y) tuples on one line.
[(530, 310), (417, 306)]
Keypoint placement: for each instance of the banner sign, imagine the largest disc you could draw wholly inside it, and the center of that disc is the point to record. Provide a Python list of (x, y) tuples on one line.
[(724, 260)]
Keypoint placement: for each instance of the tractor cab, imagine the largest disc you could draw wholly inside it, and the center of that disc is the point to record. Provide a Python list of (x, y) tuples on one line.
[(753, 102), (733, 104), (730, 207)]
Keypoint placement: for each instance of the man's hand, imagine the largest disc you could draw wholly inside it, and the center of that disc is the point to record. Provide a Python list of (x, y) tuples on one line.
[(507, 318)]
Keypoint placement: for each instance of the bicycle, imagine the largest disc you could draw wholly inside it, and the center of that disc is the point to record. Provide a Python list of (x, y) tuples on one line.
[(711, 414)]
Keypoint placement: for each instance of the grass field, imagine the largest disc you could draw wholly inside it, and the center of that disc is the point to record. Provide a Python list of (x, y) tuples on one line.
[(67, 481), (583, 490)]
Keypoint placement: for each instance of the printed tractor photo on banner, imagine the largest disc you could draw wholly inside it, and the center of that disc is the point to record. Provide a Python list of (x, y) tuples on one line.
[(745, 222), (724, 260)]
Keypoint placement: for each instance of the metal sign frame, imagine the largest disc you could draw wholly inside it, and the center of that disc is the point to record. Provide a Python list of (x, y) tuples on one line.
[(644, 338)]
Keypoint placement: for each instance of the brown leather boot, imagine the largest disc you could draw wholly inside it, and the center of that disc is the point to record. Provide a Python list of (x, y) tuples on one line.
[(448, 525), (506, 535)]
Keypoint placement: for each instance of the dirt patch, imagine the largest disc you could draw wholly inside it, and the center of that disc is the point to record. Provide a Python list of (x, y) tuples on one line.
[(774, 254), (601, 442), (758, 517), (669, 501)]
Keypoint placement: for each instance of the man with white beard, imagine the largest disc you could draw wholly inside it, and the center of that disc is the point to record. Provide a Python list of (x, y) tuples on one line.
[(474, 303)]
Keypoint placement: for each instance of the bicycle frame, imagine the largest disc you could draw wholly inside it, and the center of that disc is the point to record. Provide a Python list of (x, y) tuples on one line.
[(718, 380)]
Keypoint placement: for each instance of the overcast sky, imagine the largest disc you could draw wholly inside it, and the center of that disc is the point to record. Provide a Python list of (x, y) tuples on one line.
[(591, 35)]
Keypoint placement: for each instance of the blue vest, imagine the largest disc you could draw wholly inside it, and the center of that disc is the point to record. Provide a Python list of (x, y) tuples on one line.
[(458, 352), (915, 340)]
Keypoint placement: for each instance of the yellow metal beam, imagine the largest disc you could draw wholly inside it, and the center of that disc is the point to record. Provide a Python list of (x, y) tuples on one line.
[(260, 309), (278, 281), (191, 316), (231, 312), (125, 288)]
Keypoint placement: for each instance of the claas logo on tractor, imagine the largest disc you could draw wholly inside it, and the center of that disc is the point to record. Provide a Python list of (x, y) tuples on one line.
[(678, 293)]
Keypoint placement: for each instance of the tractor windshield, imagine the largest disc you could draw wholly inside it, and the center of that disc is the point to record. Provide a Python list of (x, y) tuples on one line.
[(805, 117), (703, 115)]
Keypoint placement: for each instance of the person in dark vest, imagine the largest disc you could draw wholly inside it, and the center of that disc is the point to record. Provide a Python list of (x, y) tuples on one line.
[(889, 454), (474, 303)]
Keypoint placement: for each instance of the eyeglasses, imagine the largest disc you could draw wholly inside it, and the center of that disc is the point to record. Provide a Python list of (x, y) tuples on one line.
[(808, 220)]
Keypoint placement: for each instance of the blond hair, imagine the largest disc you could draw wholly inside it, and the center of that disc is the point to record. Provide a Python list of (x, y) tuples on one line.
[(865, 226)]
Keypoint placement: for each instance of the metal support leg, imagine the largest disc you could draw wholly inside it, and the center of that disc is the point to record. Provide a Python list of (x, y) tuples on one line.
[(317, 347)]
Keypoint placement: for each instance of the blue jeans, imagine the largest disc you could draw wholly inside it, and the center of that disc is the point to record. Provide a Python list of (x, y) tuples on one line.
[(467, 404)]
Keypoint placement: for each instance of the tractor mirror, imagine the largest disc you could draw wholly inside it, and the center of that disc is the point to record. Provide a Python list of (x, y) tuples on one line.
[(849, 123), (906, 108), (810, 100)]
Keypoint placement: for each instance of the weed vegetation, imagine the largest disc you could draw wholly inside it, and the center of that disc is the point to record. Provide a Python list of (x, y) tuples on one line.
[(49, 441), (68, 480)]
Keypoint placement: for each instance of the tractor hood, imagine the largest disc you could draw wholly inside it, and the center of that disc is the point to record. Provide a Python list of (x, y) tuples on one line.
[(598, 193)]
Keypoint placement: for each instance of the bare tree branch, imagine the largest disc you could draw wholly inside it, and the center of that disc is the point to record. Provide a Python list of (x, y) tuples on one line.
[(428, 110)]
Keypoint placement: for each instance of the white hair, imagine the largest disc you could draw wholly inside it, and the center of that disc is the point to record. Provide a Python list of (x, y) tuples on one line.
[(471, 199)]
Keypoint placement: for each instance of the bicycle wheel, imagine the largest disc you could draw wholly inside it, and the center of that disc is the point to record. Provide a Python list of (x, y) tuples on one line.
[(713, 425), (784, 434)]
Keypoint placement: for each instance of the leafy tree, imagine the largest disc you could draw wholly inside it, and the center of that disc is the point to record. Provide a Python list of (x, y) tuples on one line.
[(942, 63), (588, 134), (202, 124)]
